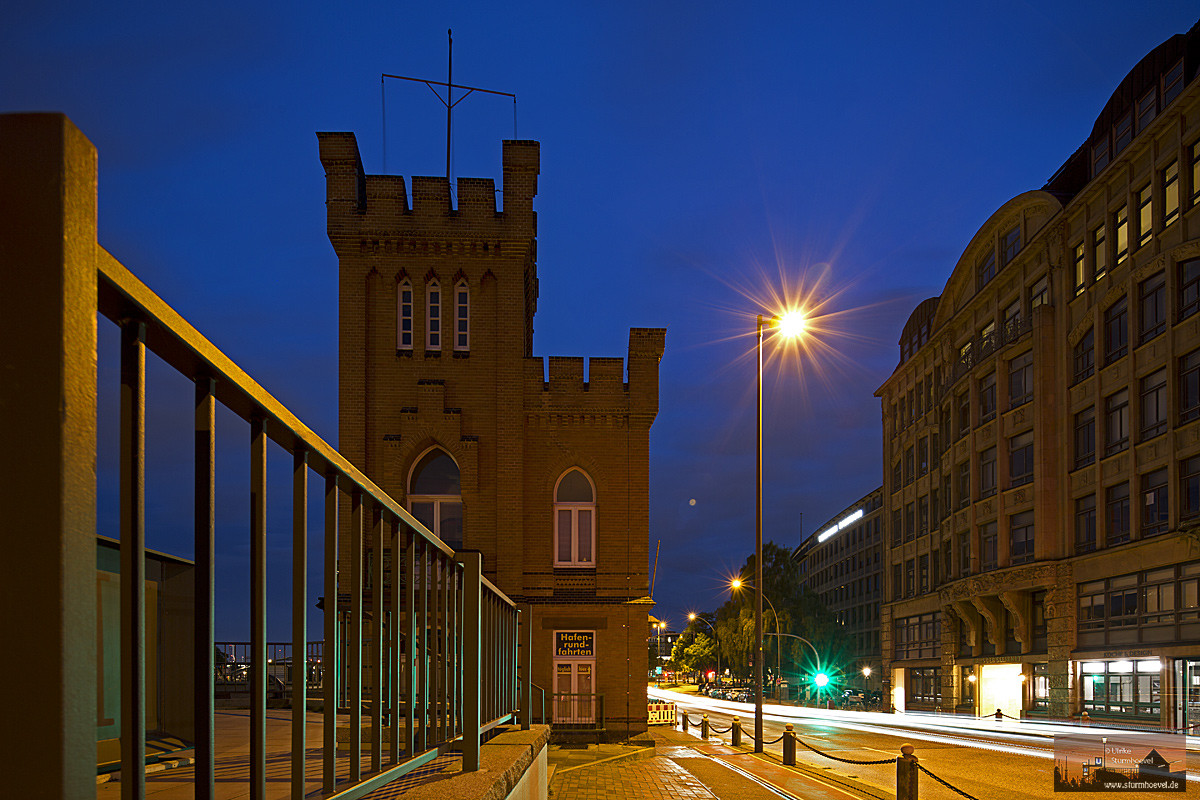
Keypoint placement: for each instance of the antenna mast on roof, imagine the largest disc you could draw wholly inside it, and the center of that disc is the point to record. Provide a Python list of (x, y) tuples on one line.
[(448, 101)]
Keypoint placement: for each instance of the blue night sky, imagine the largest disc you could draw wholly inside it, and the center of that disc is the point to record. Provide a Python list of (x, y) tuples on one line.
[(699, 161)]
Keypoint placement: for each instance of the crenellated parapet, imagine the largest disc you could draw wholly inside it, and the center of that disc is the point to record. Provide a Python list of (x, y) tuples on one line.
[(379, 207)]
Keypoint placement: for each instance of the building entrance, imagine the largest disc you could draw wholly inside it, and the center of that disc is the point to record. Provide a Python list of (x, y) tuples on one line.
[(1000, 686), (574, 687)]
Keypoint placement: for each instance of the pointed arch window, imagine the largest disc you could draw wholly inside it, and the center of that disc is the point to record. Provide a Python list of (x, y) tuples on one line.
[(433, 317), (435, 496), (575, 520), (404, 315), (462, 319)]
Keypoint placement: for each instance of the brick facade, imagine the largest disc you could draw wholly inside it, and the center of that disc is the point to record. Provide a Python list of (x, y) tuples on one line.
[(512, 430)]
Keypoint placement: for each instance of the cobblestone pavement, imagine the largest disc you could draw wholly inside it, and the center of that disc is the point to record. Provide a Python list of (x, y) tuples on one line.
[(652, 779)]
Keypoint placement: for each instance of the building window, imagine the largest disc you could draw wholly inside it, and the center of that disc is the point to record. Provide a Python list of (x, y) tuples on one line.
[(435, 496), (910, 522), (908, 465), (1099, 254), (1189, 287), (1154, 404), (1153, 293), (1129, 688), (1172, 83), (433, 307), (897, 584), (1154, 503), (1195, 169), (1116, 331), (1116, 422), (1010, 245), (1122, 226), (1084, 356), (964, 554), (1123, 132), (987, 543), (1080, 269), (964, 414), (923, 574), (987, 397), (964, 484), (922, 515), (1145, 216), (987, 472), (897, 527), (1170, 177), (1039, 293), (1189, 386), (987, 339), (1117, 514), (1147, 109), (897, 477), (1189, 487), (574, 520), (1085, 437), (1020, 537), (986, 270), (1020, 380), (1099, 155), (923, 455), (925, 685), (1012, 321), (1020, 459), (909, 578), (1085, 524), (918, 637), (462, 317), (404, 315)]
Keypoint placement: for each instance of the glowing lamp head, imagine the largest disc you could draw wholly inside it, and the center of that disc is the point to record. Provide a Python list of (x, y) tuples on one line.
[(866, 672), (736, 583), (821, 679), (692, 617), (971, 678), (791, 324)]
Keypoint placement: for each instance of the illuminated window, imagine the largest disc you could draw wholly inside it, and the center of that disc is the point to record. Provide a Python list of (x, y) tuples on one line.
[(574, 520), (1195, 162), (1122, 225), (435, 496), (1080, 269), (433, 317), (1145, 216), (404, 315), (1099, 254), (462, 318), (1170, 177)]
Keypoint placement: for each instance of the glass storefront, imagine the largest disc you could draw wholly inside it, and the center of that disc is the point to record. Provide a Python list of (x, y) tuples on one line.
[(1127, 687)]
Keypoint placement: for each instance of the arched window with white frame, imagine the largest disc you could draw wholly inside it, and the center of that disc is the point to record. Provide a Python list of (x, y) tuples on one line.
[(435, 495), (575, 520), (462, 319), (433, 316), (404, 315)]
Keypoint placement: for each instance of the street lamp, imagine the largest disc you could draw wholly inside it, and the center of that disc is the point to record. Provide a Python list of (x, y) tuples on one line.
[(716, 638), (790, 325)]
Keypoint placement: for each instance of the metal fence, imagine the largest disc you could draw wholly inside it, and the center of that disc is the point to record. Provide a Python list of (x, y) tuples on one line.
[(444, 638)]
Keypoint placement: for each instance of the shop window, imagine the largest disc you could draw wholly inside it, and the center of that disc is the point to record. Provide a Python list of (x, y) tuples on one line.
[(1041, 687), (924, 685), (966, 685), (1122, 688)]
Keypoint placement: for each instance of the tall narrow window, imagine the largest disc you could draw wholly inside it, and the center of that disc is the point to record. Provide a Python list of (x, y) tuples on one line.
[(987, 472), (1195, 169), (462, 317), (1099, 155), (1085, 524), (1189, 386), (1117, 514), (1122, 224), (987, 398), (1020, 459), (1153, 411), (1153, 311), (1145, 216), (1021, 537), (986, 270), (1170, 193), (435, 496), (574, 520), (987, 546), (1147, 108), (1085, 437), (1080, 269), (404, 315), (1154, 503), (1010, 245), (1189, 287), (1099, 254), (1020, 380), (1116, 422), (1116, 330), (964, 484), (1123, 132), (1172, 83), (433, 317), (1084, 356), (1189, 485)]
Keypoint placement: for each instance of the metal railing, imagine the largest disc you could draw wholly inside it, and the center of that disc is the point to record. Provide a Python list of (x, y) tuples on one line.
[(231, 670), (443, 637), (576, 711)]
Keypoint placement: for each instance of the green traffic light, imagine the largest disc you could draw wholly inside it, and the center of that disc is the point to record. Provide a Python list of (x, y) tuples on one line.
[(821, 679)]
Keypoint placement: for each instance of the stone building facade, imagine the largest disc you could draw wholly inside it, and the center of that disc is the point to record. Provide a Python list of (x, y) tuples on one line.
[(841, 564), (1042, 437), (444, 405)]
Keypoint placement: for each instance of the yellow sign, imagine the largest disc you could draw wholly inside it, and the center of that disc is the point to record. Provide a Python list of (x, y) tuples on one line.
[(574, 644)]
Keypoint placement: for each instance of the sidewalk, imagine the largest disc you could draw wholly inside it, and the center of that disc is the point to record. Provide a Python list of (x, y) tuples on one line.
[(683, 766)]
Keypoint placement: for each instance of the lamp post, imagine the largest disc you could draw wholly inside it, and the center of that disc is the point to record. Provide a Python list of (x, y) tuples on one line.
[(716, 638), (658, 655)]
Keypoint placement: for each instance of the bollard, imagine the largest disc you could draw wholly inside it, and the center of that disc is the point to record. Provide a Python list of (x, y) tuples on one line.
[(704, 727), (685, 722), (999, 715), (789, 745), (1084, 720), (906, 774), (736, 733)]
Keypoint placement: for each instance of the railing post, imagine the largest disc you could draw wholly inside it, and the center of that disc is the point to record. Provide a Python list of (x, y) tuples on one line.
[(525, 615), (906, 774), (48, 347), (789, 745), (472, 657), (735, 734)]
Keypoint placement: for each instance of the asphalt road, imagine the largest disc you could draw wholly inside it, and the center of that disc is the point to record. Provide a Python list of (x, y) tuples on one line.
[(979, 761)]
